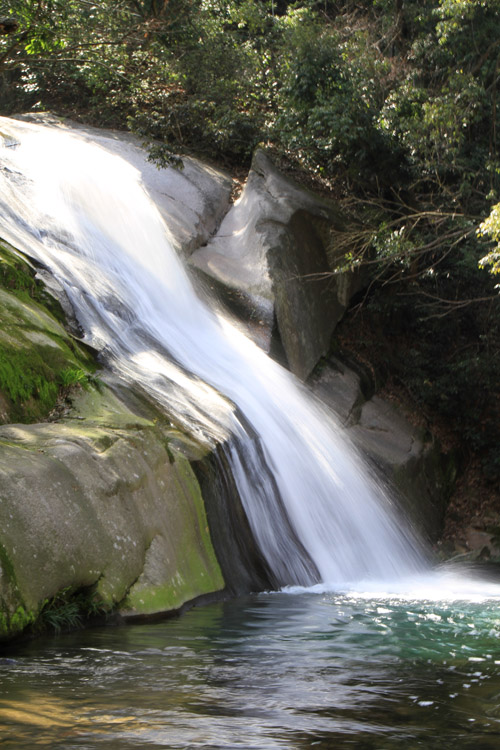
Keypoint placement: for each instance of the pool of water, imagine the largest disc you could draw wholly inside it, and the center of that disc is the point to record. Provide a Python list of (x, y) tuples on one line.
[(283, 670)]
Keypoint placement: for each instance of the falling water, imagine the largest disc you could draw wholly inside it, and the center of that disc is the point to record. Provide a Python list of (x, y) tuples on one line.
[(82, 212)]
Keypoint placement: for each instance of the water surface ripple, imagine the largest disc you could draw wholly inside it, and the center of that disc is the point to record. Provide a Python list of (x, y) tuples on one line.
[(264, 672)]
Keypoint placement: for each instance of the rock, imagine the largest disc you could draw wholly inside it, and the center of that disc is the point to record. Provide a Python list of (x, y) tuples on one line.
[(385, 434), (274, 247), (101, 502), (242, 564), (36, 352), (340, 388), (480, 541), (410, 461)]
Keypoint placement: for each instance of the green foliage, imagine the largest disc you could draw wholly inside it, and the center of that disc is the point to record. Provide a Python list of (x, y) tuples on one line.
[(328, 101), (491, 228), (60, 615), (393, 245), (319, 80), (444, 350), (69, 610), (71, 376)]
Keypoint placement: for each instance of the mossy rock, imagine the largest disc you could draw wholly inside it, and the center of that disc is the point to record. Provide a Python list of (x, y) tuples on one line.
[(39, 360), (18, 276), (99, 501)]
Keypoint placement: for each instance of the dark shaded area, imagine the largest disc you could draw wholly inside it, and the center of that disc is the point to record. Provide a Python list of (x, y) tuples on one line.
[(242, 564)]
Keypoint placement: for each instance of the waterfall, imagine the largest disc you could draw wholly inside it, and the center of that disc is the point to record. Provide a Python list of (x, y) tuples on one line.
[(315, 510)]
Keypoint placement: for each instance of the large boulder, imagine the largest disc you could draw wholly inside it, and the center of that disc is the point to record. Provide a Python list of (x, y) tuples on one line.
[(103, 500), (408, 458), (274, 247)]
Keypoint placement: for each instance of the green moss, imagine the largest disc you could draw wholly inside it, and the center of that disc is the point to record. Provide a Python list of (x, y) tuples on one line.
[(101, 407), (28, 377), (18, 276), (195, 569), (199, 564), (39, 361), (15, 274), (20, 620), (12, 624), (153, 599), (25, 375), (4, 625)]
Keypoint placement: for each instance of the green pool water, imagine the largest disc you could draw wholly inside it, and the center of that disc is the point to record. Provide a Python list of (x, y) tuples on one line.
[(283, 670)]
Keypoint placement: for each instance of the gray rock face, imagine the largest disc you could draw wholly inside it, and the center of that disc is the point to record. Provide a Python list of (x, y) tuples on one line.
[(273, 246), (408, 459), (99, 501), (411, 461), (340, 388)]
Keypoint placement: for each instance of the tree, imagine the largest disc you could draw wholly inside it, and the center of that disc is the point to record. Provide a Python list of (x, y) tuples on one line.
[(491, 228)]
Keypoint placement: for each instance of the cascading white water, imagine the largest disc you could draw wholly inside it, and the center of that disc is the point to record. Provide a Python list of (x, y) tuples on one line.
[(312, 505)]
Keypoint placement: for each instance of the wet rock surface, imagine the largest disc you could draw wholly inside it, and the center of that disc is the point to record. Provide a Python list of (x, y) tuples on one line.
[(408, 458), (275, 247)]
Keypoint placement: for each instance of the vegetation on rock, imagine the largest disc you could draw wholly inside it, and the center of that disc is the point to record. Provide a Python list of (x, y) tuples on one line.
[(69, 610), (39, 361)]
